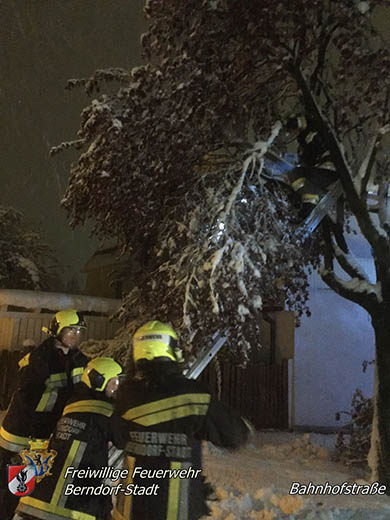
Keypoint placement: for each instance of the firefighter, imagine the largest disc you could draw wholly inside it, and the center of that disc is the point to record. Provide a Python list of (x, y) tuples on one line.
[(45, 379), (314, 175), (316, 172), (168, 416), (81, 442)]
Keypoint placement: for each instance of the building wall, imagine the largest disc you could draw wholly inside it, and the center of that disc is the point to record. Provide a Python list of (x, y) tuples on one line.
[(330, 348)]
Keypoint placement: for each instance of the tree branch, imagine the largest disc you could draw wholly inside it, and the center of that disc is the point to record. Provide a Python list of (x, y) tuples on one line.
[(367, 296), (329, 250), (365, 169), (349, 265), (333, 251), (378, 242), (325, 40), (384, 205)]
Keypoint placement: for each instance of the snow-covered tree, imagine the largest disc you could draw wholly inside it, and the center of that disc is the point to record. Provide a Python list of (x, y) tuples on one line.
[(27, 262), (212, 241)]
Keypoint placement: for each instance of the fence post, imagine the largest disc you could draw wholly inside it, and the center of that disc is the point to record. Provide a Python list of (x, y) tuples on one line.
[(291, 393)]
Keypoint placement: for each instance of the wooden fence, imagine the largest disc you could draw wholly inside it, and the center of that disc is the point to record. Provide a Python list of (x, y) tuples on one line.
[(16, 327), (260, 392), (24, 326), (24, 313)]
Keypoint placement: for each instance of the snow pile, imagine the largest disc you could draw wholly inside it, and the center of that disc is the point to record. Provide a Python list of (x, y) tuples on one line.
[(265, 504), (302, 448), (254, 482), (268, 504)]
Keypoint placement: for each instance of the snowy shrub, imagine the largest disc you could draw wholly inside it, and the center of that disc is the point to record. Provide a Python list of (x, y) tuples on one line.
[(353, 443), (27, 262)]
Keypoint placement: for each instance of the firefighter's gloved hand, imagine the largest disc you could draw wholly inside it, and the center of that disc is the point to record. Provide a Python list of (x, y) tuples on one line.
[(179, 355)]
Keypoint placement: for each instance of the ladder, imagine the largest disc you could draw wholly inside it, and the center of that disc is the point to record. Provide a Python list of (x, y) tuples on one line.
[(321, 210)]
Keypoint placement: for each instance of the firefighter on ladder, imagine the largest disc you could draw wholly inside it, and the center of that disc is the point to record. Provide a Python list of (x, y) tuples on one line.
[(315, 173), (168, 416)]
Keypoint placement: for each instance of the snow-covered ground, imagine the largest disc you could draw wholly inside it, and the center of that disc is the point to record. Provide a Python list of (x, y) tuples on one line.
[(254, 482)]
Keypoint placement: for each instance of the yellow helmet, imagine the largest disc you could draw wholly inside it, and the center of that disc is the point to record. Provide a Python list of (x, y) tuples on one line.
[(65, 318), (99, 371), (155, 340)]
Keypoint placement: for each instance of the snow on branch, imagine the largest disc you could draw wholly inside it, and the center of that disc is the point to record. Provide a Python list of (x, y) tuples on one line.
[(221, 249), (349, 264), (357, 290)]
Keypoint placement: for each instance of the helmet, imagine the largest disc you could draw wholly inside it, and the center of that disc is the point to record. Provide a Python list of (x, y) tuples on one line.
[(66, 318), (155, 340), (99, 371)]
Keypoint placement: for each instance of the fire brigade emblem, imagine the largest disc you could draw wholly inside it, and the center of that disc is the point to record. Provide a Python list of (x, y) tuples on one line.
[(21, 480), (39, 458)]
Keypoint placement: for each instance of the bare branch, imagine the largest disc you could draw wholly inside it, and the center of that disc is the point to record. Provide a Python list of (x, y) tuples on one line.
[(325, 39)]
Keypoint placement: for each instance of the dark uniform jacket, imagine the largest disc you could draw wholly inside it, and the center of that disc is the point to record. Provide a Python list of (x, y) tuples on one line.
[(45, 381), (316, 171), (81, 441), (168, 416), (312, 150)]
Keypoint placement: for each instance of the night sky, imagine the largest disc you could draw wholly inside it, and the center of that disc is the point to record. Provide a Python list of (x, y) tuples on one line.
[(43, 44)]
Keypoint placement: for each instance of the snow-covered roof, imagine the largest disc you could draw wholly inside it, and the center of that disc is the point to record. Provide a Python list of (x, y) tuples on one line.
[(57, 301)]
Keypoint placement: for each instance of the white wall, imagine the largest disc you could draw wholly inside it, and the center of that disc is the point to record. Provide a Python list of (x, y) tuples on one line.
[(330, 347)]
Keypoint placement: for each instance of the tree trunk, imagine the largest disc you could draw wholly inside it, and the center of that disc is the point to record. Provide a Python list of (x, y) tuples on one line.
[(373, 454), (380, 441)]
